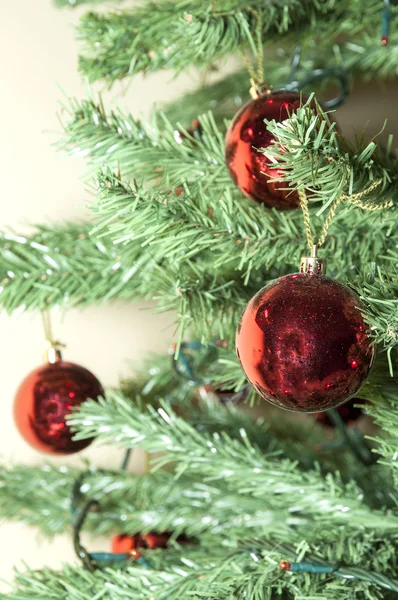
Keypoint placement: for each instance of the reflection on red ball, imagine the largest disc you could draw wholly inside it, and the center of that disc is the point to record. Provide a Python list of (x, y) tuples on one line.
[(253, 171), (303, 343), (349, 413), (44, 399)]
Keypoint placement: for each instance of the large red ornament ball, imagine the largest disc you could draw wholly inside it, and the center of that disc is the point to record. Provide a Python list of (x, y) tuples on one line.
[(303, 343), (250, 169), (44, 399)]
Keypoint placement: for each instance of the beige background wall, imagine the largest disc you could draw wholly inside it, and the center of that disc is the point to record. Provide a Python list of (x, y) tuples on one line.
[(38, 51)]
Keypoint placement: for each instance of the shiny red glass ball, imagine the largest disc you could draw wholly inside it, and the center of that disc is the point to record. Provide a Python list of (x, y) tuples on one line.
[(44, 399), (303, 343), (251, 170)]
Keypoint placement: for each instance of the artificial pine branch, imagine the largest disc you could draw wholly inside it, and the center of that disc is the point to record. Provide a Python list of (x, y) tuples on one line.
[(379, 293), (168, 511), (251, 572), (149, 149), (198, 229), (192, 243), (301, 442), (156, 380), (229, 93), (239, 240), (163, 35), (313, 154), (64, 266), (193, 227), (311, 149), (129, 504), (200, 403), (385, 416), (383, 391), (276, 482), (158, 502)]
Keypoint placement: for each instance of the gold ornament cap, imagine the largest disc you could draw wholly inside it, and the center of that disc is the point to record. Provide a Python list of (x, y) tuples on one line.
[(52, 353), (258, 89), (313, 265)]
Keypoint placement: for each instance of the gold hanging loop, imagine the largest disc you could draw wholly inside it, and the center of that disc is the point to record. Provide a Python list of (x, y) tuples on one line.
[(256, 74), (52, 352), (313, 264)]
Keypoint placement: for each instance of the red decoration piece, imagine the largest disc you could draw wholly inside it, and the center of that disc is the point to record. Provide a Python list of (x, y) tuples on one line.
[(135, 554), (349, 413), (285, 565), (253, 171), (43, 400), (126, 543), (303, 344), (195, 130)]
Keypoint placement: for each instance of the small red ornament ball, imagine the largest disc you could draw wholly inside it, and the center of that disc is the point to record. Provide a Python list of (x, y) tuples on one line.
[(303, 343), (251, 170), (125, 543), (44, 399)]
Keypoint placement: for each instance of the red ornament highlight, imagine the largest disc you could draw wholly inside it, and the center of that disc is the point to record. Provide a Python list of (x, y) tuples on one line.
[(252, 171), (303, 343), (44, 399), (285, 565)]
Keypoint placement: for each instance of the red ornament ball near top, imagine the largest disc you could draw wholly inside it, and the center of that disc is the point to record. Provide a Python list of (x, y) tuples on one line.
[(44, 399), (252, 171), (303, 343)]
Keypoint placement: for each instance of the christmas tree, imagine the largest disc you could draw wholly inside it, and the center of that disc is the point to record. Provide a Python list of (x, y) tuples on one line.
[(200, 213)]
